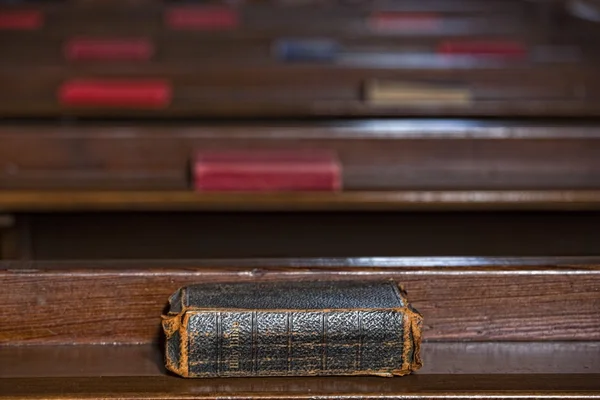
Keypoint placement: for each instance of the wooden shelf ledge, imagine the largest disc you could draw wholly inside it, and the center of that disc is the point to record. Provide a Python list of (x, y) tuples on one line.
[(473, 299), (452, 370), (42, 201)]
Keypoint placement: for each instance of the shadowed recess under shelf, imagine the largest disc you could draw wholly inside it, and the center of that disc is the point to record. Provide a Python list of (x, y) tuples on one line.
[(439, 358), (452, 370)]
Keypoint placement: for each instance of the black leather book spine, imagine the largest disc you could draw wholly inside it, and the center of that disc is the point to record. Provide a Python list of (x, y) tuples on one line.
[(216, 343)]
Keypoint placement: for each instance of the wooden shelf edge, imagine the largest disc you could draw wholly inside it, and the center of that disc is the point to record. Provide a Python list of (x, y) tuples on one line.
[(495, 301), (479, 386), (572, 265), (54, 201)]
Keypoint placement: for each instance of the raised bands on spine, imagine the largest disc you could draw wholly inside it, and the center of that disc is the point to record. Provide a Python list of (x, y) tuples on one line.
[(298, 342)]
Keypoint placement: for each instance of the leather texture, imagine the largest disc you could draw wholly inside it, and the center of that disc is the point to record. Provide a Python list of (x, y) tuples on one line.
[(292, 329), (304, 295)]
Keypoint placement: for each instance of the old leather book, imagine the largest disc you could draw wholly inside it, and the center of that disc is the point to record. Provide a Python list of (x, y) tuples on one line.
[(292, 329)]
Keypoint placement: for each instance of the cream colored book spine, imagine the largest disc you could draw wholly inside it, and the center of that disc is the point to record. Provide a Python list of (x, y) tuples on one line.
[(390, 93)]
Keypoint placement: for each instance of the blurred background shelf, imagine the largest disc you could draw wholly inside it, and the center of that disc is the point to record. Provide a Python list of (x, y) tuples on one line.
[(375, 155)]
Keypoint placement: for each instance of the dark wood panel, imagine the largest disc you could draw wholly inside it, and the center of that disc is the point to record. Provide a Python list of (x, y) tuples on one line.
[(470, 303), (439, 358), (221, 235), (15, 238), (441, 386), (6, 221)]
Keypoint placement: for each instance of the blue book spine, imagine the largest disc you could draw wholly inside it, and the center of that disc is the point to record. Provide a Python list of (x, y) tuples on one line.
[(292, 50)]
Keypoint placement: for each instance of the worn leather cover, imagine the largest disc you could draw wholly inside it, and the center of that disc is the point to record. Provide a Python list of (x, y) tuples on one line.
[(292, 329)]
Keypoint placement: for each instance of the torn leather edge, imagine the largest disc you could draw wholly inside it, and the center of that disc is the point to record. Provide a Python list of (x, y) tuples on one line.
[(174, 325), (413, 324), (411, 356)]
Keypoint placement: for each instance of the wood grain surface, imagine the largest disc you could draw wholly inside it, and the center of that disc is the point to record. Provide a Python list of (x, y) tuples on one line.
[(551, 300), (434, 386), (376, 155), (56, 361)]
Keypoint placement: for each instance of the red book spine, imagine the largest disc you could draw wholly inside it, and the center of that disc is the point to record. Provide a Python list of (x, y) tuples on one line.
[(506, 48), (202, 18), (126, 49), (115, 93), (392, 21), (264, 171), (21, 19)]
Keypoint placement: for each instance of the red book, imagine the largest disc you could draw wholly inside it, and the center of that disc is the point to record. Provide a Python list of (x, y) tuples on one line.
[(126, 49), (21, 19), (505, 48), (267, 170), (202, 18), (115, 93), (394, 21)]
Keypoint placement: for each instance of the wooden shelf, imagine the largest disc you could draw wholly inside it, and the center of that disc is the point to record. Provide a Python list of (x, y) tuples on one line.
[(452, 370), (96, 329), (94, 183), (497, 387), (386, 163), (70, 201), (474, 299)]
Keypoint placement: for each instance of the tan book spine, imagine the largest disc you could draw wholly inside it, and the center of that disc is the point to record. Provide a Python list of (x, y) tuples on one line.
[(411, 93)]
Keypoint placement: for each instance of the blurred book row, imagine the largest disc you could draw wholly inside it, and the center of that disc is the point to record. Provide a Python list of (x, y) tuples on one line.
[(429, 17), (259, 58)]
